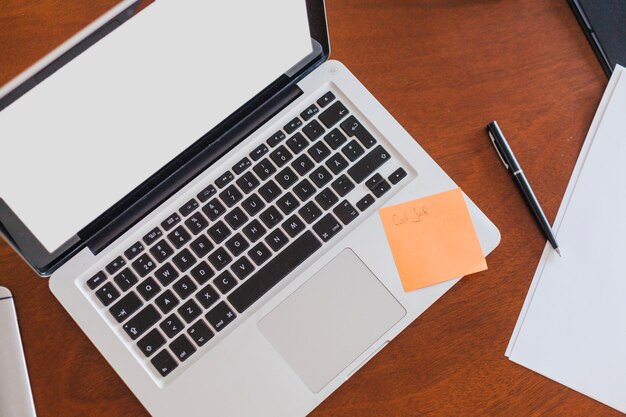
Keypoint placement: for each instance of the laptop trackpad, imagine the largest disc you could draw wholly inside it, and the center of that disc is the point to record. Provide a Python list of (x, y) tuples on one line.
[(330, 320)]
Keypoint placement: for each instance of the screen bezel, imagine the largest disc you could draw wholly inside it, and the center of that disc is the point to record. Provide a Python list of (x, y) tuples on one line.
[(45, 262)]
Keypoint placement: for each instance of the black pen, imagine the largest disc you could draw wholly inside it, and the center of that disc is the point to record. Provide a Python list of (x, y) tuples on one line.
[(509, 161)]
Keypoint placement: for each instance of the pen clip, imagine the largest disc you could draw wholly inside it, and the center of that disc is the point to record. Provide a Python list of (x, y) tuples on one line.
[(493, 141)]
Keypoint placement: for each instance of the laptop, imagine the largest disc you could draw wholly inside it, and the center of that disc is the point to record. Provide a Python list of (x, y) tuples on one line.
[(200, 183)]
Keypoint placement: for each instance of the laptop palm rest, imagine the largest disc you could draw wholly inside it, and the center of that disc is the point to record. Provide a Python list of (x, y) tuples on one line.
[(331, 320)]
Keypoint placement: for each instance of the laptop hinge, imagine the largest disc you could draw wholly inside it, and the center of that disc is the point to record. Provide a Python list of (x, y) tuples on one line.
[(195, 166)]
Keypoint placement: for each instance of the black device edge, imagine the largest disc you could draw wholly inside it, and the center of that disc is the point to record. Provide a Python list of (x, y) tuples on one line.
[(178, 172), (590, 34)]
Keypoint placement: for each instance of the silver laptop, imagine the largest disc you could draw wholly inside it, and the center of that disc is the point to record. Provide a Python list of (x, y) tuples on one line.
[(201, 184)]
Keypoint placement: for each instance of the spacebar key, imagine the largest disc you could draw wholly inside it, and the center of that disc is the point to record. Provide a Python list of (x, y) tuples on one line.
[(275, 270)]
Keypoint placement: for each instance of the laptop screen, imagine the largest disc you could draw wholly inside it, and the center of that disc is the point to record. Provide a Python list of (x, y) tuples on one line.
[(94, 130)]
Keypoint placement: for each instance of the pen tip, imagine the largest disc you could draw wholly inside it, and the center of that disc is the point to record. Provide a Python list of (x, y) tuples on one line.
[(558, 251)]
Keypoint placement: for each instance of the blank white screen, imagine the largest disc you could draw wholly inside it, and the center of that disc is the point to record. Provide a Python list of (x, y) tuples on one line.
[(80, 141)]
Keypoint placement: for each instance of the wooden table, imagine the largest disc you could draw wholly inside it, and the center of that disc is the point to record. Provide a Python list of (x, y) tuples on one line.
[(443, 68)]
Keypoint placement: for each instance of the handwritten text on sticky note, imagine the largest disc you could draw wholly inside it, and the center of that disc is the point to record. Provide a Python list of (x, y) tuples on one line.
[(433, 239)]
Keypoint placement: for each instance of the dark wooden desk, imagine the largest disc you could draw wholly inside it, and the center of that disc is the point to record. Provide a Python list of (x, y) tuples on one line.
[(443, 68)]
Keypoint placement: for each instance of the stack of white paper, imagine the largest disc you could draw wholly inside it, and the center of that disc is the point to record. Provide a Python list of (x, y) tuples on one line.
[(572, 328)]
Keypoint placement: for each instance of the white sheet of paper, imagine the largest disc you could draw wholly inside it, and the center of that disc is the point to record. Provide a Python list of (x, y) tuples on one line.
[(96, 129), (572, 328)]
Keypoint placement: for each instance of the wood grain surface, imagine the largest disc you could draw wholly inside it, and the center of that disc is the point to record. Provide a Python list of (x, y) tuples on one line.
[(443, 68)]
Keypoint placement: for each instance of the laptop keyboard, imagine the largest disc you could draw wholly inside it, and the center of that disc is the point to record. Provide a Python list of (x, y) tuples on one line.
[(210, 261)]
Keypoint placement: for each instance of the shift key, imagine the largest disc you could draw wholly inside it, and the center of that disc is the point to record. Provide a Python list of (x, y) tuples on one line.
[(142, 321), (367, 165)]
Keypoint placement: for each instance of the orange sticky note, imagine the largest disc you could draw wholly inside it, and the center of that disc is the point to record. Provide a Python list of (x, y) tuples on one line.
[(433, 239)]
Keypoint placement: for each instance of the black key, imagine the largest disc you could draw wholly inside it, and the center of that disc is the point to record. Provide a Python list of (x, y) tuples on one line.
[(270, 191), (304, 189), (276, 239), (313, 130), (319, 151), (179, 237), (335, 138), (237, 244), (125, 307), (281, 156), (115, 265), (95, 281), (248, 182), (368, 164), (253, 204), (148, 288), (365, 202), (381, 189), (342, 185), (337, 163), (144, 265), (134, 251), (231, 196), (219, 232), (345, 212), (293, 125), (207, 193), (171, 326), (253, 230), (258, 152), (310, 111), (297, 143), (167, 301), (286, 178), (152, 237), (310, 212), (197, 223), (184, 287), (166, 274), (170, 222), (242, 267), (220, 258), (397, 176), (184, 260), (326, 99), (274, 271), (151, 343), (326, 198), (141, 322), (224, 179), (214, 209), (236, 218), (293, 226), (271, 217), (164, 363), (182, 348), (161, 251), (189, 311), (327, 228), (201, 246), (333, 114), (320, 176), (242, 165), (220, 316), (303, 164), (264, 169), (225, 282), (189, 207), (207, 296), (353, 128), (202, 273), (353, 150), (107, 294), (125, 279), (200, 333), (276, 138), (373, 181), (287, 203), (259, 253)]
